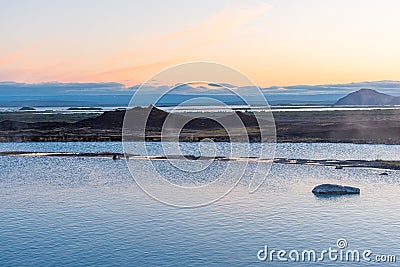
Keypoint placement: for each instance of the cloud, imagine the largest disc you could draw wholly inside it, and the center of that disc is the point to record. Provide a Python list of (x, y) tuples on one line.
[(112, 88), (127, 75), (62, 89), (389, 87), (218, 27), (224, 24), (386, 84), (180, 46)]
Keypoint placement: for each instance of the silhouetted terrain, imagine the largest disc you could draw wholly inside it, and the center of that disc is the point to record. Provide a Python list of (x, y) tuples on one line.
[(368, 126), (108, 127), (360, 126)]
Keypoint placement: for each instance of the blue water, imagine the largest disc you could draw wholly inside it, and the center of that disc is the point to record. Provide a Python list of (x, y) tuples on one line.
[(60, 211)]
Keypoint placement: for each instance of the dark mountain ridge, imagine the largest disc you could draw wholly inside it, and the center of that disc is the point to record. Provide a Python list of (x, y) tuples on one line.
[(355, 126), (368, 97), (113, 121)]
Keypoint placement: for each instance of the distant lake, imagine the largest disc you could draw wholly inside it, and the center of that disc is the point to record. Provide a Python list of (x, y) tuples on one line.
[(89, 212), (182, 109), (62, 110)]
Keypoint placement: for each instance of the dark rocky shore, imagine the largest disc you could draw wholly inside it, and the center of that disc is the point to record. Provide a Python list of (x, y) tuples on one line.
[(376, 164), (371, 126)]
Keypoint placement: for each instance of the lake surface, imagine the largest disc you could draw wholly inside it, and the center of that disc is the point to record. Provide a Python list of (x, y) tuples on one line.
[(183, 109), (275, 108), (89, 211)]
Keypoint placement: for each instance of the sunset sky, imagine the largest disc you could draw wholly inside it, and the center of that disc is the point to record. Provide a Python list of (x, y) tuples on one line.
[(275, 42)]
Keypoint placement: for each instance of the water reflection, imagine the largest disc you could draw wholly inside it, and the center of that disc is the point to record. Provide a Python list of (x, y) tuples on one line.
[(89, 211), (333, 197)]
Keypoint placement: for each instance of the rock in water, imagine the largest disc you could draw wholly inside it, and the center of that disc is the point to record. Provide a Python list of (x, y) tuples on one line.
[(334, 189)]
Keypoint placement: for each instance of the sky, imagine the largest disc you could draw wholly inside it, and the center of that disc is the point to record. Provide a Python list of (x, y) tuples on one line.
[(273, 42)]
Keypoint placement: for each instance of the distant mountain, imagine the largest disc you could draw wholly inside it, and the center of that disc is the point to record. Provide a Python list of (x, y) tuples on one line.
[(395, 101), (364, 97)]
